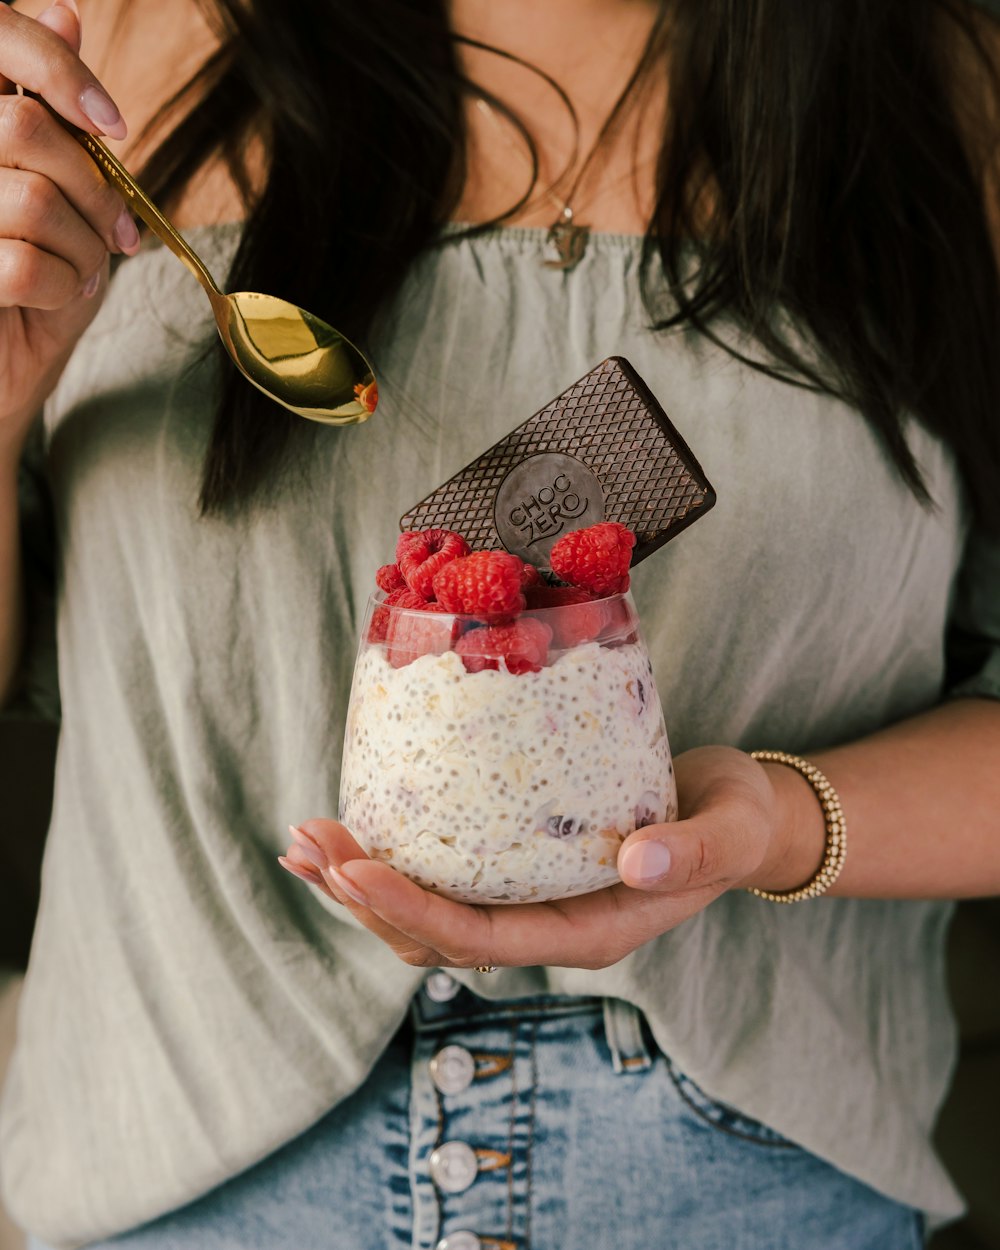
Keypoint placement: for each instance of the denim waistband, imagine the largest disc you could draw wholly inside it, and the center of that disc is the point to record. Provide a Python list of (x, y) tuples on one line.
[(443, 1005), (541, 1121), (462, 1006)]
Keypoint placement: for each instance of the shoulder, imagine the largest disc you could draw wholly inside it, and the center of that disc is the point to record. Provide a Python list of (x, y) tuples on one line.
[(144, 52)]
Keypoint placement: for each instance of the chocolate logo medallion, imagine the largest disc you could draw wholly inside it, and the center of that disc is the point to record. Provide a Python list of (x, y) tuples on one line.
[(541, 498)]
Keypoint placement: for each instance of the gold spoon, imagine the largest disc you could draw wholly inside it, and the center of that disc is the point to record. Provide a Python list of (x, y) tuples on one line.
[(283, 350)]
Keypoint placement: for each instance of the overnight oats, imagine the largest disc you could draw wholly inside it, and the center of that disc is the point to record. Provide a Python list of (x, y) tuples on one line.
[(504, 734)]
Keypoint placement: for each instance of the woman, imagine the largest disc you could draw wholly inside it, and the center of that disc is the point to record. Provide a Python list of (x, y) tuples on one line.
[(213, 1056)]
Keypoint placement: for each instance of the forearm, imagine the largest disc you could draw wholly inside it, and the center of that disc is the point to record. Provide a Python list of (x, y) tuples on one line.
[(922, 804), (11, 587)]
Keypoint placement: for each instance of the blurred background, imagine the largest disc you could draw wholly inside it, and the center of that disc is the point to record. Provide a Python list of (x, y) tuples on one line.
[(969, 1131)]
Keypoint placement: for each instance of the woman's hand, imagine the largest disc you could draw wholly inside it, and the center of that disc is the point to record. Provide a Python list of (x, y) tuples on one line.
[(737, 823), (59, 219)]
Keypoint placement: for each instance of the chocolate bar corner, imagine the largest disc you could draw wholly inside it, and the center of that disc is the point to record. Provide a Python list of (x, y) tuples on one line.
[(603, 450)]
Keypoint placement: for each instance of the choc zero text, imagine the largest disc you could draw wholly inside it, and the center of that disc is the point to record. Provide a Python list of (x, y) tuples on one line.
[(544, 514)]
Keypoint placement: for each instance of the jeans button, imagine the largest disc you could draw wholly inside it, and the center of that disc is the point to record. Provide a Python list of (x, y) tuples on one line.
[(462, 1240), (440, 987), (454, 1167), (452, 1069)]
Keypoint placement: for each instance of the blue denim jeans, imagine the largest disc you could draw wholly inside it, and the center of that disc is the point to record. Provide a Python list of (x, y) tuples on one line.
[(537, 1124)]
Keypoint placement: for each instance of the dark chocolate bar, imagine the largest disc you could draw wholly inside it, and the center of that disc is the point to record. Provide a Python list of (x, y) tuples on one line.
[(603, 450)]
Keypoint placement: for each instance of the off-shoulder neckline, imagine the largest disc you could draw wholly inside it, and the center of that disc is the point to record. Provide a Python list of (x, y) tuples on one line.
[(453, 232)]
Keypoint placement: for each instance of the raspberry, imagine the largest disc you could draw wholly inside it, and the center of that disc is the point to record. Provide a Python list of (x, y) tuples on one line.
[(520, 647), (379, 626), (406, 540), (389, 578), (403, 598), (431, 631), (579, 620), (367, 396), (422, 553), (530, 576), (487, 583), (595, 558)]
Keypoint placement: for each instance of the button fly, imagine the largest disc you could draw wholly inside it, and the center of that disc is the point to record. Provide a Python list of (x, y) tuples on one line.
[(454, 1167), (441, 988), (452, 1069), (462, 1240)]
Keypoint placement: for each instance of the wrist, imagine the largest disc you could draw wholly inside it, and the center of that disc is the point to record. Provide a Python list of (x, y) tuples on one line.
[(798, 840)]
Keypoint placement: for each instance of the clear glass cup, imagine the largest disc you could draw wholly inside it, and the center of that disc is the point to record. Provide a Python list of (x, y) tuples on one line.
[(501, 786)]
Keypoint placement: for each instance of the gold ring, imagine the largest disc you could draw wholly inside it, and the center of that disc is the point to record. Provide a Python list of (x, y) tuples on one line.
[(486, 967)]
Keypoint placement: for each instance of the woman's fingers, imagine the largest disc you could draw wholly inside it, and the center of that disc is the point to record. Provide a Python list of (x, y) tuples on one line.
[(34, 210), (58, 216), (427, 930), (322, 846), (302, 871), (32, 141), (592, 931), (31, 278), (36, 57), (423, 929)]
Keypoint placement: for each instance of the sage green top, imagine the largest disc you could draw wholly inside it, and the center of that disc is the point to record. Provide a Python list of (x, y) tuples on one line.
[(189, 1006)]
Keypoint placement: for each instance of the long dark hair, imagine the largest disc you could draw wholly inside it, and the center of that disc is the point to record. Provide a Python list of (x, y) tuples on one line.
[(842, 165)]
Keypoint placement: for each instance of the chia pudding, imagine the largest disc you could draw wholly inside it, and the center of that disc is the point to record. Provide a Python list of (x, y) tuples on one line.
[(499, 786)]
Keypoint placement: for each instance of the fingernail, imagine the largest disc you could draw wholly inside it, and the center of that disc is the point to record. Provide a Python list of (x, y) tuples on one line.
[(308, 847), (348, 886), (91, 285), (125, 232), (645, 862), (296, 871), (103, 112), (67, 4)]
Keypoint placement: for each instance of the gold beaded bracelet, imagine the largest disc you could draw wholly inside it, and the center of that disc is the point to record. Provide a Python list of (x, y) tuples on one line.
[(835, 851)]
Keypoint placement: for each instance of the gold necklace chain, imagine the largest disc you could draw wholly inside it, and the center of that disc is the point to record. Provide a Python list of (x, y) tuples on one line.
[(567, 239)]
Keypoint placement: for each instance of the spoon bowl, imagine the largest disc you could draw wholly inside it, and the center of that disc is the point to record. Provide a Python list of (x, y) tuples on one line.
[(295, 358), (291, 355)]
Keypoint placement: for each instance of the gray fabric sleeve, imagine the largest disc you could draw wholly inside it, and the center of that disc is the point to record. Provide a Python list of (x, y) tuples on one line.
[(974, 637), (37, 691)]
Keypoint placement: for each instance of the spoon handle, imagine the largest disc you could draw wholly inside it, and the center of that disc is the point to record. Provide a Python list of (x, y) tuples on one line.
[(143, 206)]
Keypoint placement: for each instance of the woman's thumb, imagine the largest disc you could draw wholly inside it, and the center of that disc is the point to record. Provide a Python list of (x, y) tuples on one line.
[(685, 855)]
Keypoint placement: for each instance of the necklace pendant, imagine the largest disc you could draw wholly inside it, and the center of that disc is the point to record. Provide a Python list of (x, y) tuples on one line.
[(565, 243)]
